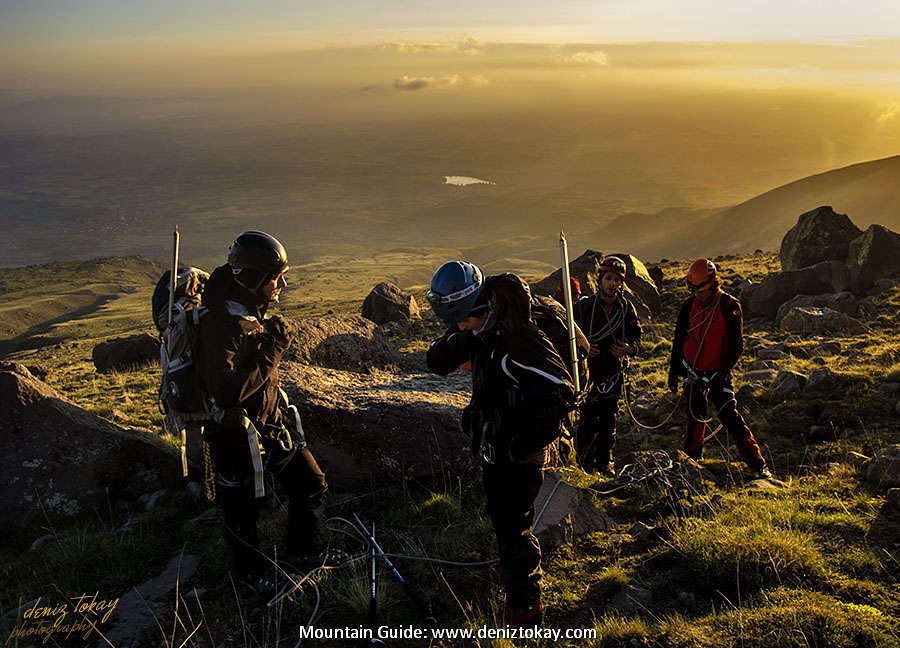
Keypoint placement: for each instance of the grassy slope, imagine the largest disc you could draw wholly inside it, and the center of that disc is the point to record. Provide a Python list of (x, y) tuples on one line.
[(814, 564)]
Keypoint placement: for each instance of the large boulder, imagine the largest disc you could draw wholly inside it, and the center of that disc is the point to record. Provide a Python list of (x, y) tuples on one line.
[(380, 427), (586, 268), (126, 352), (764, 299), (640, 282), (806, 320), (639, 286), (347, 344), (819, 235), (842, 302), (387, 303), (873, 255), (63, 459)]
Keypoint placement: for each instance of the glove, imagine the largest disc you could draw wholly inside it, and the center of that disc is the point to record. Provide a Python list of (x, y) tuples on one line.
[(276, 328), (674, 379)]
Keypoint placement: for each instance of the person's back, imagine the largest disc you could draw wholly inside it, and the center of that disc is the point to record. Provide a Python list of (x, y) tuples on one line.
[(521, 389)]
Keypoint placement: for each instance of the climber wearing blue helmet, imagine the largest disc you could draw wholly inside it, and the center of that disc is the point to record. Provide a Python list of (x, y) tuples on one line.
[(521, 390), (455, 288)]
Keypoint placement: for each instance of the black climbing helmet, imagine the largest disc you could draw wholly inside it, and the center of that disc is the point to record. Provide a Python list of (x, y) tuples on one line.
[(256, 257)]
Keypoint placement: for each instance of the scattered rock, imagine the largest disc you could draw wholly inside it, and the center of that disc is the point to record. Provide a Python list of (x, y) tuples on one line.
[(787, 383), (687, 597), (842, 302), (808, 320), (568, 513), (819, 235), (641, 531), (40, 372), (875, 254), (126, 352), (759, 365), (656, 274), (630, 600), (387, 303), (764, 376), (766, 485), (832, 347), (771, 353), (820, 378), (764, 299), (891, 387), (63, 458), (142, 608), (818, 360), (884, 467)]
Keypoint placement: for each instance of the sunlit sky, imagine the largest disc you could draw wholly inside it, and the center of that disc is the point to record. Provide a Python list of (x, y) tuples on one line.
[(50, 24)]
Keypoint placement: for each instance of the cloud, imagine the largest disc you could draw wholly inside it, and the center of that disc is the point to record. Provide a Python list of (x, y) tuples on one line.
[(413, 48), (467, 45), (446, 82), (584, 58), (887, 113)]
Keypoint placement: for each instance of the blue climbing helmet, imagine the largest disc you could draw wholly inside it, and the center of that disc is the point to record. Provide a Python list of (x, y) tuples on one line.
[(454, 290)]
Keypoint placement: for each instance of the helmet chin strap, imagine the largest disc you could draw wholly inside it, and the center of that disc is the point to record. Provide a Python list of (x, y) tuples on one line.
[(253, 290)]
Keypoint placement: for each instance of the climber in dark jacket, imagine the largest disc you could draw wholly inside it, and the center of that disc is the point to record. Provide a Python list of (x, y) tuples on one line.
[(611, 324), (239, 354), (521, 390), (708, 341)]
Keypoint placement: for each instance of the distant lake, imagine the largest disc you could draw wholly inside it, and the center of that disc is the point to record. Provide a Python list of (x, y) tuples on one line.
[(462, 181)]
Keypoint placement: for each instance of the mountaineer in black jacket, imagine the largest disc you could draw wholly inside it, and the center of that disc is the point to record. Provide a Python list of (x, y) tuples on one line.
[(239, 352), (521, 390), (611, 325), (708, 341)]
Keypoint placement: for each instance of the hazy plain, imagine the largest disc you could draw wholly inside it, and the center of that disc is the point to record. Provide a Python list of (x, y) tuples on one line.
[(343, 152)]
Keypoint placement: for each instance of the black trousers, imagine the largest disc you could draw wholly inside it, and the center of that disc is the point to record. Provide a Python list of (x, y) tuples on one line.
[(597, 431), (300, 476), (510, 488), (720, 392)]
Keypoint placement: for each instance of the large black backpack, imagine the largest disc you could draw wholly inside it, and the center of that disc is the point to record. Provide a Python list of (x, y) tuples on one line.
[(550, 316)]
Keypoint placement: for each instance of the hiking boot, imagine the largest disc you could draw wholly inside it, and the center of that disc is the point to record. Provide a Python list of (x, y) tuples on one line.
[(329, 557), (764, 473), (533, 615)]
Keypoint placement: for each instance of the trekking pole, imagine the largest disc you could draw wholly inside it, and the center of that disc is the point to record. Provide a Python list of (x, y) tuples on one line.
[(173, 281), (173, 284), (427, 613), (570, 317), (373, 590)]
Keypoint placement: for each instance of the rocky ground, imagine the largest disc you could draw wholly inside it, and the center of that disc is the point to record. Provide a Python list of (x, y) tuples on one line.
[(670, 554)]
